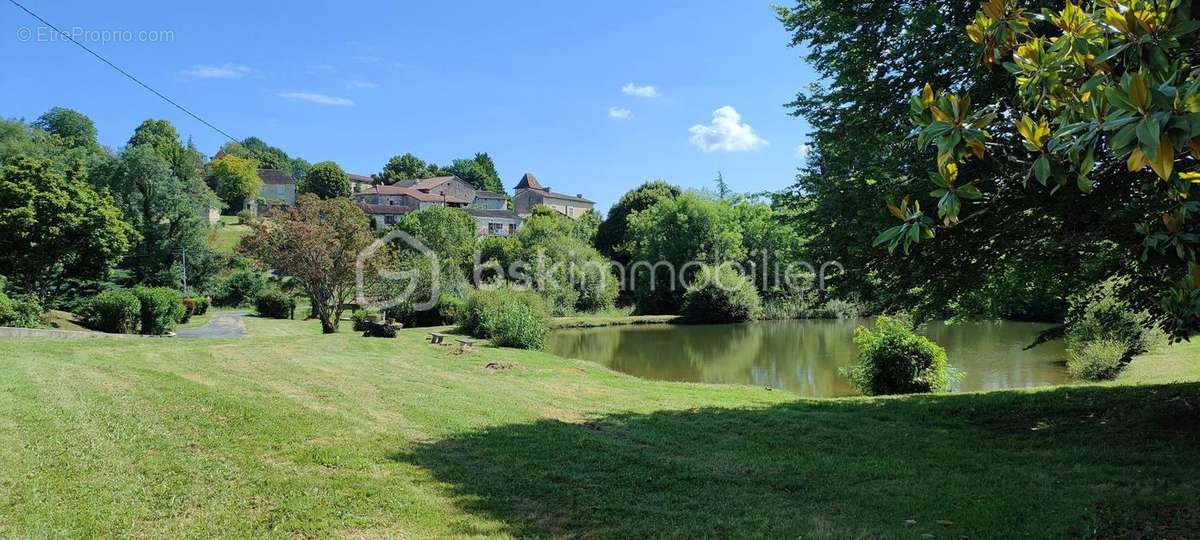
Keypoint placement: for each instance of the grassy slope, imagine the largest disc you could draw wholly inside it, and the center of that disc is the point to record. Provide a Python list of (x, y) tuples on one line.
[(302, 435), (226, 235)]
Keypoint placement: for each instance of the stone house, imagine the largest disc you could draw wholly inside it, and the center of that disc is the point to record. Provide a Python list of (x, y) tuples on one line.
[(492, 222), (451, 188), (360, 183), (278, 190), (531, 193)]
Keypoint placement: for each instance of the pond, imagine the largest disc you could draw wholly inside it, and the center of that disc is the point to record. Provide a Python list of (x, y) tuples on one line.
[(804, 356)]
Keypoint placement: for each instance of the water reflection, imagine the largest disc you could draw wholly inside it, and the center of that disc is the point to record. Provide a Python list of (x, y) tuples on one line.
[(804, 356)]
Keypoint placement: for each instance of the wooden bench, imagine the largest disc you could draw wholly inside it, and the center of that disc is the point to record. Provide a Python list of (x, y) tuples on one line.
[(436, 338), (465, 344)]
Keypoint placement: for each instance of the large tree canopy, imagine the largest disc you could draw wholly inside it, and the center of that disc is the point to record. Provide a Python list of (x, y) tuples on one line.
[(874, 57), (234, 179), (326, 180), (67, 148), (613, 234), (479, 171), (267, 156), (162, 207), (449, 232), (1106, 102), (317, 243), (405, 167), (57, 229), (72, 126)]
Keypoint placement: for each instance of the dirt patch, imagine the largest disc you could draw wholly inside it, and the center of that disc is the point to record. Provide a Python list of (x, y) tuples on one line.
[(495, 367)]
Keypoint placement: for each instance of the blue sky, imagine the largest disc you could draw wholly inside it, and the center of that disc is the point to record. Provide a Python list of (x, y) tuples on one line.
[(562, 89)]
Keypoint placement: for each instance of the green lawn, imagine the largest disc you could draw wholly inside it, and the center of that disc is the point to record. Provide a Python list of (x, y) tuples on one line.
[(303, 436), (226, 235)]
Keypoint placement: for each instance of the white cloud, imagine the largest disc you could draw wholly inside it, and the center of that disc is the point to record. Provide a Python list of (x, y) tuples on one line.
[(362, 84), (646, 91), (224, 71), (618, 113), (319, 99), (726, 133), (803, 150)]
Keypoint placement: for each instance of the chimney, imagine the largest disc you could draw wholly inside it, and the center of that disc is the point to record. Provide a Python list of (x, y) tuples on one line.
[(579, 195)]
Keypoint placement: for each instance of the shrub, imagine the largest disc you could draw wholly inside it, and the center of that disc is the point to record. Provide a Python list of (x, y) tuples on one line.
[(841, 309), (378, 330), (510, 318), (1097, 360), (16, 313), (245, 217), (360, 320), (200, 304), (807, 305), (275, 304), (720, 295), (598, 289), (189, 309), (895, 360), (240, 287), (161, 309), (115, 312), (452, 286), (1108, 319), (519, 325), (1099, 320)]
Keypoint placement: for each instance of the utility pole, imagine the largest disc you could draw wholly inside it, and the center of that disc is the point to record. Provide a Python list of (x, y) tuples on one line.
[(184, 261)]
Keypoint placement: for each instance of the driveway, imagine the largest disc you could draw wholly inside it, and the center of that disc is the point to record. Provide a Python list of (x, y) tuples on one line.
[(227, 324)]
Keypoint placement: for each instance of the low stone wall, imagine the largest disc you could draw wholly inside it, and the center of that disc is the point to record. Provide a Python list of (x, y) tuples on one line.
[(6, 332)]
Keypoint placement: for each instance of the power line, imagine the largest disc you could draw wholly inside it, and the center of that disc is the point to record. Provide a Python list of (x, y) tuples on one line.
[(123, 72)]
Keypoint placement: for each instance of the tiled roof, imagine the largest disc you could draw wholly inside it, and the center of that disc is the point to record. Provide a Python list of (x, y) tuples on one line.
[(431, 183), (529, 181), (273, 177), (561, 196), (385, 209), (489, 213), (411, 192), (479, 193)]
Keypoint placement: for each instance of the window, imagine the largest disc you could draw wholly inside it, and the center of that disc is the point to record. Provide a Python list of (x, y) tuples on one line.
[(495, 228), (512, 228), (389, 220)]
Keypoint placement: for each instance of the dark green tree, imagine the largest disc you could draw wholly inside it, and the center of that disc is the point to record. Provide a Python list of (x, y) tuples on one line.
[(268, 157), (162, 208), (405, 167), (447, 231), (682, 231), (159, 134), (612, 235), (58, 230), (76, 129), (65, 154), (873, 58), (479, 171), (326, 180), (723, 191)]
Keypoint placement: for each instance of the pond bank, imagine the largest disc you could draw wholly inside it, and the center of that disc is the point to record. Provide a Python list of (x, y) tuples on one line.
[(413, 440), (587, 321)]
